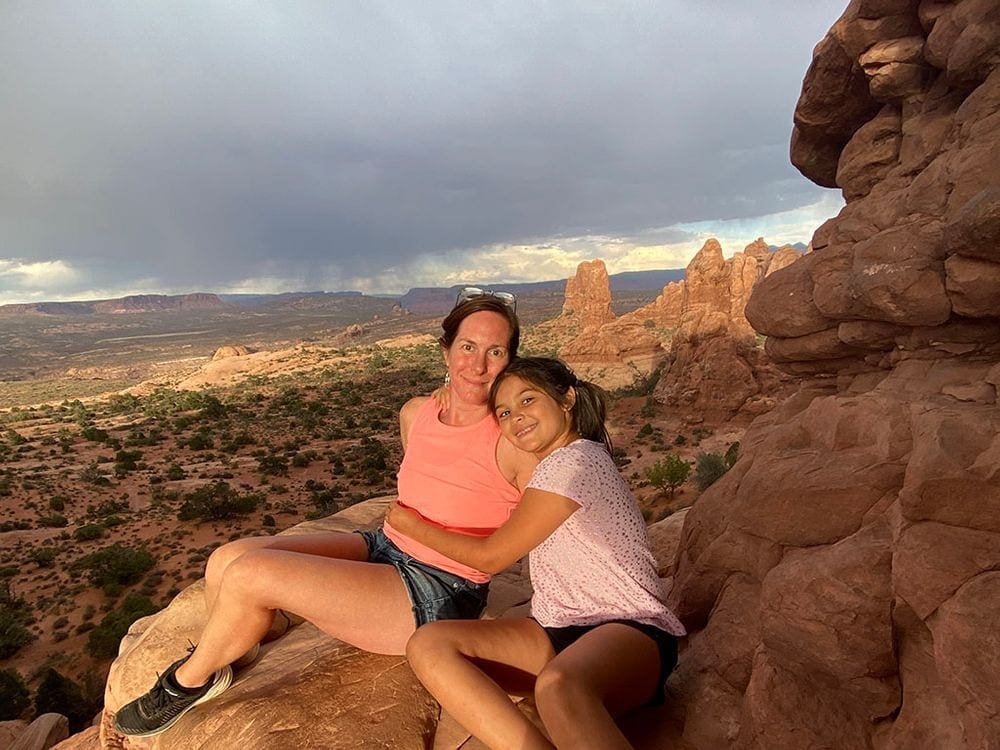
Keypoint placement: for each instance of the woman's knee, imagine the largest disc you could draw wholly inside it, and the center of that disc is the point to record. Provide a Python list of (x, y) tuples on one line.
[(429, 644), (222, 557)]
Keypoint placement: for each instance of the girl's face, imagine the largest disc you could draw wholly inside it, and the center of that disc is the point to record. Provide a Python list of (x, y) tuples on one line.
[(477, 355), (531, 419)]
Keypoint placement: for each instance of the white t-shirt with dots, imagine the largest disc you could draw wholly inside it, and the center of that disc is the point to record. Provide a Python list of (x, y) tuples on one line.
[(597, 566)]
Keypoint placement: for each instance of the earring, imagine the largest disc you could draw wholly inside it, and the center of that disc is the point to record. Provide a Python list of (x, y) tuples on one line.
[(447, 379)]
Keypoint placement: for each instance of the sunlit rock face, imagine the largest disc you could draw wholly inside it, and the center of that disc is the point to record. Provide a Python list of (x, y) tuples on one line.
[(612, 352), (715, 369), (841, 580)]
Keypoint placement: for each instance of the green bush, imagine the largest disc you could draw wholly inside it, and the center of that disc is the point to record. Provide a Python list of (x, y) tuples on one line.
[(669, 472), (14, 697), (60, 695), (175, 472), (102, 643), (217, 502), (709, 468), (274, 465), (57, 503), (55, 521), (15, 616), (115, 566), (89, 532), (44, 556)]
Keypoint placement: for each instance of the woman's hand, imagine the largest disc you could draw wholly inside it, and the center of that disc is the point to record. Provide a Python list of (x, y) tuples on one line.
[(442, 397), (402, 518)]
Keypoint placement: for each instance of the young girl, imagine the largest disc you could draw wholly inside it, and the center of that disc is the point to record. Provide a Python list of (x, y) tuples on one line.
[(599, 641)]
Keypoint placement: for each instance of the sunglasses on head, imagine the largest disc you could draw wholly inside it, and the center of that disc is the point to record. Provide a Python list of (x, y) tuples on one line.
[(471, 292)]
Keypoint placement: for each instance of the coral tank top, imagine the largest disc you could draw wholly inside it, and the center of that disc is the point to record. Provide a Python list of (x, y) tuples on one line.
[(450, 476)]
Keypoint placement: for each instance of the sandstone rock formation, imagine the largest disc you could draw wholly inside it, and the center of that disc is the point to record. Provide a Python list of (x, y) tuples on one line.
[(588, 296), (898, 110), (611, 352), (308, 690), (841, 581), (716, 368)]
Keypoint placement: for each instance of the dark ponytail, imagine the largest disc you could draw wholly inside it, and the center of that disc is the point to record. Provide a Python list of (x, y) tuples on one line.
[(555, 378)]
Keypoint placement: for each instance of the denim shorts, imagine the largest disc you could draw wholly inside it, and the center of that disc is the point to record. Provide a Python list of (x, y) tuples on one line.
[(434, 593), (666, 644)]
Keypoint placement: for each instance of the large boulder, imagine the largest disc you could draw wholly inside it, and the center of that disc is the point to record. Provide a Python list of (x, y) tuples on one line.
[(840, 581), (899, 111), (309, 690)]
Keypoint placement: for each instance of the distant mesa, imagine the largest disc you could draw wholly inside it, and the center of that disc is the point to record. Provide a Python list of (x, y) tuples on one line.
[(138, 303)]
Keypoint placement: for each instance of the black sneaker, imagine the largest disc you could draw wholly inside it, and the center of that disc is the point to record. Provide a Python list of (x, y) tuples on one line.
[(163, 705)]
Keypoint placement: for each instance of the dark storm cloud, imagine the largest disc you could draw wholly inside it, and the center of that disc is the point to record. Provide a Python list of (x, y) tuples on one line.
[(199, 144)]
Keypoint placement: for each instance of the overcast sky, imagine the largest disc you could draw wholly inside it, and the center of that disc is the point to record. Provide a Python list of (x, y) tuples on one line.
[(170, 146)]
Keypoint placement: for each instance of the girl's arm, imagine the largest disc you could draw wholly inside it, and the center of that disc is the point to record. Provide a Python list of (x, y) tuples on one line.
[(535, 518)]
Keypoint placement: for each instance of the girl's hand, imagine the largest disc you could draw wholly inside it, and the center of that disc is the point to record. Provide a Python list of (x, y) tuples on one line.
[(402, 518), (442, 397)]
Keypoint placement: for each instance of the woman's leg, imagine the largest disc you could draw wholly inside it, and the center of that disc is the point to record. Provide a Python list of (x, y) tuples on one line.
[(608, 671), (444, 656), (345, 546), (361, 603)]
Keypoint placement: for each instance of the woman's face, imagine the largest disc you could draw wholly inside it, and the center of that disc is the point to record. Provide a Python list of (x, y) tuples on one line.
[(477, 355), (531, 419)]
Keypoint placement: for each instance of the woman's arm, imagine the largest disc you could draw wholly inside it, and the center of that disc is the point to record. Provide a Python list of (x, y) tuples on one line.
[(534, 519), (406, 416)]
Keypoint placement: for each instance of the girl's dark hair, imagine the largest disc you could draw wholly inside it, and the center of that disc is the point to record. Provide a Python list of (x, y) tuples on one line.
[(553, 377), (480, 304)]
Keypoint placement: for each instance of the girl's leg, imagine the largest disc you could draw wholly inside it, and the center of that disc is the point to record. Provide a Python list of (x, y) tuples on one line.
[(345, 546), (608, 671), (361, 603), (444, 656)]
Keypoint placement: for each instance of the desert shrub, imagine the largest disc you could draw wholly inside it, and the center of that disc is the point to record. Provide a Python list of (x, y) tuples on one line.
[(645, 431), (200, 441), (15, 616), (14, 696), (274, 465), (232, 443), (108, 508), (57, 503), (88, 532), (217, 502), (44, 556), (54, 521), (268, 520), (123, 403), (94, 474), (102, 643), (126, 461), (669, 472), (115, 566), (15, 438), (94, 434), (175, 472), (709, 467), (60, 695)]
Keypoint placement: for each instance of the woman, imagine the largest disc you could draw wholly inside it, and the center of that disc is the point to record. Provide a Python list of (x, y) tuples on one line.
[(600, 640), (370, 589)]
